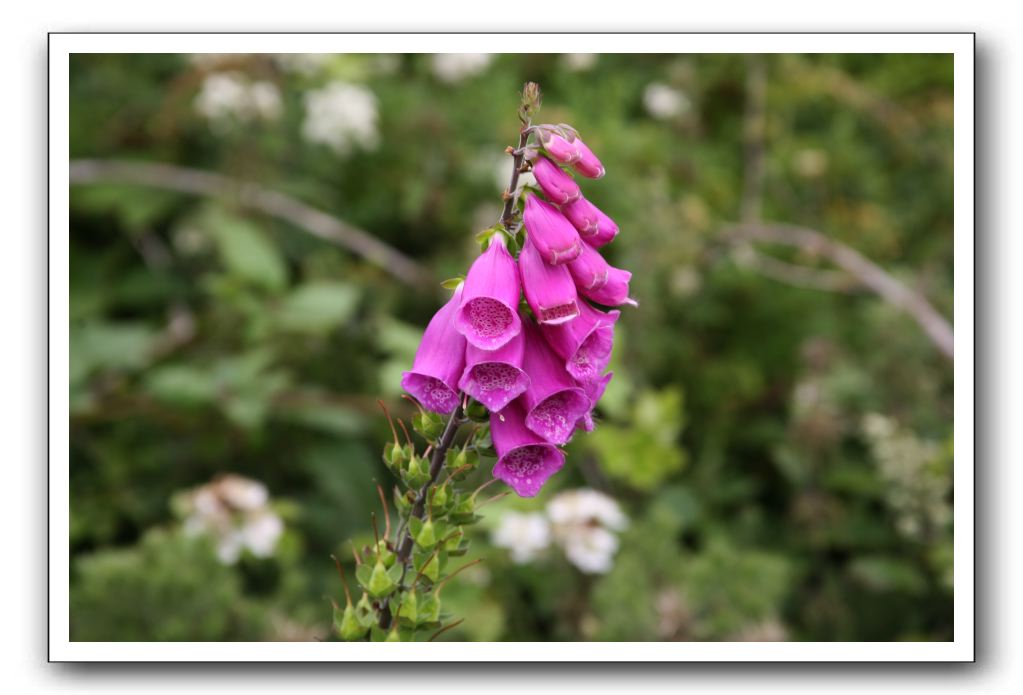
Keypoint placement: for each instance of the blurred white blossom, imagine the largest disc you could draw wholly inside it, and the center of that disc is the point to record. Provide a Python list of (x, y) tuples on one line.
[(664, 102), (455, 67), (302, 63), (579, 62), (583, 523), (341, 115), (227, 96), (234, 511), (525, 535)]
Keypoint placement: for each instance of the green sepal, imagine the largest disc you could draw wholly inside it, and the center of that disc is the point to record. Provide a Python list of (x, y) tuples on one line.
[(385, 554), (363, 573), (348, 625), (417, 472), (381, 583), (429, 425), (428, 612), (426, 536), (408, 609), (453, 544), (452, 283), (439, 498), (365, 612), (428, 563)]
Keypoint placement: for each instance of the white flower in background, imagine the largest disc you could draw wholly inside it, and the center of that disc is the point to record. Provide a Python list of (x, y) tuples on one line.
[(583, 524), (579, 62), (234, 511), (224, 96), (455, 67), (340, 116), (525, 535), (664, 102), (302, 63)]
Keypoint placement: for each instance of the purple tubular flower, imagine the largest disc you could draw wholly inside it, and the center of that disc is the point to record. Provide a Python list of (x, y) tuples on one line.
[(588, 165), (595, 391), (590, 271), (524, 461), (558, 186), (488, 316), (584, 343), (554, 403), (439, 361), (495, 377), (607, 230), (614, 292), (558, 148), (554, 236), (549, 289), (584, 216)]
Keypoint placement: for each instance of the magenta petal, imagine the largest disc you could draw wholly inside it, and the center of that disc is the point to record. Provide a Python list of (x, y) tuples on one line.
[(488, 316), (439, 361), (614, 292), (584, 216), (524, 461), (595, 391), (558, 186), (590, 270), (549, 289), (584, 343), (495, 377), (553, 235), (558, 148), (553, 400), (607, 230), (587, 164)]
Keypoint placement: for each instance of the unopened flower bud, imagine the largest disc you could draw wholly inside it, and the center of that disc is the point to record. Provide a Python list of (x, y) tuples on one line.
[(558, 148), (584, 216), (588, 165), (553, 235), (558, 186)]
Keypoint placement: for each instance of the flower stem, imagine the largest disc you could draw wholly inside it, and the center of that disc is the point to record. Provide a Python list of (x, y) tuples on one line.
[(419, 507)]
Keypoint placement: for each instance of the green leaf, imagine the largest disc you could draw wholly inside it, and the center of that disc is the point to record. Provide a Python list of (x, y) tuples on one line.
[(318, 307), (245, 250), (182, 384)]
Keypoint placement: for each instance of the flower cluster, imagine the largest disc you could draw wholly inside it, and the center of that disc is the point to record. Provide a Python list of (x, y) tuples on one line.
[(539, 371), (583, 523)]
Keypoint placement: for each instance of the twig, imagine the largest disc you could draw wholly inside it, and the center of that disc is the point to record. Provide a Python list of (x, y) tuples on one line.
[(255, 197), (872, 276)]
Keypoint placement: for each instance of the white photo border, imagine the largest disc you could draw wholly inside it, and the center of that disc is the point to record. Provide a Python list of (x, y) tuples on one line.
[(961, 649)]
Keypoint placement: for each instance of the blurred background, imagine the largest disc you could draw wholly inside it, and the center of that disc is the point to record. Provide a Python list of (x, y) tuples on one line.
[(257, 242)]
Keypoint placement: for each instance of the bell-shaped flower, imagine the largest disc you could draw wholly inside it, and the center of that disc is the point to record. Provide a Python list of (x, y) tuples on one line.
[(584, 216), (495, 377), (488, 316), (554, 402), (558, 186), (594, 391), (584, 343), (607, 230), (590, 271), (588, 165), (524, 460), (553, 235), (549, 289), (559, 149), (614, 292), (439, 361)]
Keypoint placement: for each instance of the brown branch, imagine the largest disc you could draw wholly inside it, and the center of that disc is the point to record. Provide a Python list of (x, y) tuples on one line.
[(254, 197), (868, 273)]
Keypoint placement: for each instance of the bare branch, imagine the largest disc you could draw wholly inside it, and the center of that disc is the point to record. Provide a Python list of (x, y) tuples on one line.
[(868, 273), (254, 197)]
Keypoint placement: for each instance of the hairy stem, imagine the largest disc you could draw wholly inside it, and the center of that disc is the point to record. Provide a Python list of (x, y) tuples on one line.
[(508, 214)]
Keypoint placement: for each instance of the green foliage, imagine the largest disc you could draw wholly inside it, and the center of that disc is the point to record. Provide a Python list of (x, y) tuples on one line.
[(168, 588)]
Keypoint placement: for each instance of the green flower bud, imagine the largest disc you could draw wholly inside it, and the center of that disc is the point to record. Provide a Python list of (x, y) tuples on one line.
[(429, 609), (380, 583), (429, 425), (394, 456), (384, 553), (426, 537), (348, 625), (407, 609)]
